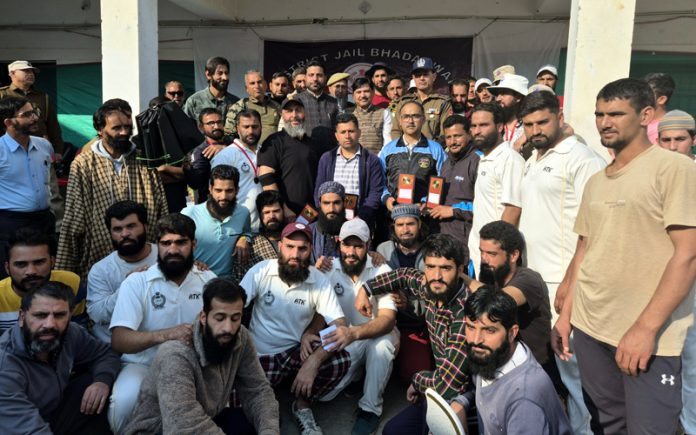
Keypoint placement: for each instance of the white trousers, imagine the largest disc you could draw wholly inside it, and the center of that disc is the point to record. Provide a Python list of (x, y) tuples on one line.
[(125, 395)]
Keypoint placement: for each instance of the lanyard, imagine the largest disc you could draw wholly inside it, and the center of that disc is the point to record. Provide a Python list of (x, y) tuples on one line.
[(253, 166), (512, 133)]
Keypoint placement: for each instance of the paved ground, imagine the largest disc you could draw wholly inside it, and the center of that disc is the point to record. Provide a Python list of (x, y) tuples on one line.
[(337, 417)]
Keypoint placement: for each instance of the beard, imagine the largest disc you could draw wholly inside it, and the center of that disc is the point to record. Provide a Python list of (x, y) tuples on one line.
[(26, 130), (486, 366), (495, 275), (353, 269), (222, 210), (409, 242), (216, 352), (293, 274), (458, 107), (175, 266), (29, 283), (510, 112), (216, 134), (250, 140), (331, 226), (452, 289), (220, 85), (617, 144), (273, 228), (121, 145), (129, 246), (485, 143), (35, 345), (296, 131)]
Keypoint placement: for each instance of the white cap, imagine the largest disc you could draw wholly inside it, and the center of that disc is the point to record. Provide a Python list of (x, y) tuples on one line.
[(355, 227), (537, 88), (548, 68), (483, 81), (513, 82)]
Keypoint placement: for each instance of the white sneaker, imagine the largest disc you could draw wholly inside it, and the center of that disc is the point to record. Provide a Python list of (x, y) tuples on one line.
[(305, 420)]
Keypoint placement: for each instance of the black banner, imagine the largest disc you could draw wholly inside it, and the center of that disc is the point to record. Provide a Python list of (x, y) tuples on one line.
[(451, 56)]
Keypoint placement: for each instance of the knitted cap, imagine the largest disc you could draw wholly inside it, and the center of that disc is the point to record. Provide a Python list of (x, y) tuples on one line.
[(405, 210), (676, 120), (332, 187)]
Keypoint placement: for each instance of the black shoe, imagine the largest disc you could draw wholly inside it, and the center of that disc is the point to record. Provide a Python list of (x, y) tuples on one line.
[(366, 423)]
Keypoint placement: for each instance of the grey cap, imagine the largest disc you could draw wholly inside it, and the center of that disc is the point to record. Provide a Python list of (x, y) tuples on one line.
[(355, 228)]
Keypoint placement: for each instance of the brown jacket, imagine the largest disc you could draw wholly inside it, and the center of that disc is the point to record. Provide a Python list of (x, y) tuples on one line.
[(182, 392)]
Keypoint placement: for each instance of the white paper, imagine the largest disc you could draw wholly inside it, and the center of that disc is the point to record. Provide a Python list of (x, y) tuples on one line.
[(405, 193), (325, 332), (434, 198), (350, 214)]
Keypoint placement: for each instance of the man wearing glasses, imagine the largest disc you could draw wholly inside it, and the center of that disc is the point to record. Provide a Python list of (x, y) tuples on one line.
[(175, 91), (25, 161)]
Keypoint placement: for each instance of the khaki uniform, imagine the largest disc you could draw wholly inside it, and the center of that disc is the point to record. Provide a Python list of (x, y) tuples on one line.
[(269, 111), (437, 108), (48, 121)]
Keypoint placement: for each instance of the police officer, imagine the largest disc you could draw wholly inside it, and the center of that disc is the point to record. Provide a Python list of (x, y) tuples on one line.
[(437, 106)]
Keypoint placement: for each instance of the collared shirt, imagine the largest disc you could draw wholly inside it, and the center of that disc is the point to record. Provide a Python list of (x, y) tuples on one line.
[(550, 192), (147, 301), (24, 174), (445, 328), (498, 180), (262, 248), (243, 158), (216, 239), (49, 128), (346, 290), (518, 357), (347, 172), (204, 99), (281, 313)]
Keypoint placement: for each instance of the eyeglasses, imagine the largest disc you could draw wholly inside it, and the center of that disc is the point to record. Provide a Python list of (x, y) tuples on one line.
[(176, 93), (29, 113), (408, 117)]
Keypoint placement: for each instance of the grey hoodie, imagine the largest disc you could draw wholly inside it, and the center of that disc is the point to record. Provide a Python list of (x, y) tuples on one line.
[(31, 390)]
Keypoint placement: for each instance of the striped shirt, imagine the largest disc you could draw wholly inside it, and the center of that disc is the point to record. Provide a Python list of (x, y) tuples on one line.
[(445, 327), (347, 172)]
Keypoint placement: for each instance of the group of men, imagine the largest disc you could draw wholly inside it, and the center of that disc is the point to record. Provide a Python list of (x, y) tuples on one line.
[(470, 242)]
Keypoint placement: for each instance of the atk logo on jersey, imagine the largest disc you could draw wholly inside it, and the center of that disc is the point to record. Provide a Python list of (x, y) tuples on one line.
[(299, 301), (195, 296)]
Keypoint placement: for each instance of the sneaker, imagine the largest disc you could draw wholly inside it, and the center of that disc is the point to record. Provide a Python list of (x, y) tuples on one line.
[(305, 420), (366, 423)]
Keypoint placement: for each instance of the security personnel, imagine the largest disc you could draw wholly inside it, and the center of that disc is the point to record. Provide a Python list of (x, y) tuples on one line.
[(269, 110), (437, 106), (23, 76)]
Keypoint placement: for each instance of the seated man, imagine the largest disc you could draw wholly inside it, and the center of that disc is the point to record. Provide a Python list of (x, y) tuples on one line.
[(155, 306), (127, 224), (371, 342), (38, 391), (513, 393), (30, 261), (443, 293), (287, 293), (188, 386), (332, 214)]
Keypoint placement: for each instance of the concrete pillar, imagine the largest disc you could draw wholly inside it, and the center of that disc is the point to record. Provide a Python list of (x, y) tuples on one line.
[(129, 51), (599, 52)]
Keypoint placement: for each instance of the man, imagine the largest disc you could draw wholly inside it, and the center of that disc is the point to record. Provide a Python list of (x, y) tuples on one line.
[(548, 75), (127, 224), (436, 107), (412, 153), (630, 312), (374, 122), (459, 95), (471, 98), (39, 391), (509, 93), (677, 132), (222, 225), (332, 215), (279, 87), (455, 216), (288, 294), (371, 342), (242, 155), (663, 86), (358, 170), (396, 87), (197, 164), (30, 261), (320, 108), (550, 192), (443, 293), (404, 250), (221, 359), (498, 177), (483, 95), (264, 245), (152, 307), (299, 77), (108, 172), (22, 76), (513, 394), (378, 75), (338, 88), (288, 159), (217, 74), (26, 161), (268, 110), (174, 91)]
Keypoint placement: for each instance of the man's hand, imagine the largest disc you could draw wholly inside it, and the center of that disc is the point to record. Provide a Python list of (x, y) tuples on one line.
[(302, 385), (241, 250), (560, 338), (340, 338), (461, 414), (201, 265), (324, 263), (400, 300), (210, 151), (412, 394), (442, 212), (362, 303), (307, 343), (95, 398), (635, 349), (139, 269), (389, 203), (561, 293), (377, 258), (182, 332)]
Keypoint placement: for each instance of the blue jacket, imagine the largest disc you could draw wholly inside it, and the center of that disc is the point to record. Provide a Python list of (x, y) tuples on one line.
[(371, 177)]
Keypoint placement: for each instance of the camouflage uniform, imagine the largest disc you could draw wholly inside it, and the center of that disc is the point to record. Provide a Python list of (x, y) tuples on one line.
[(437, 108), (269, 111)]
